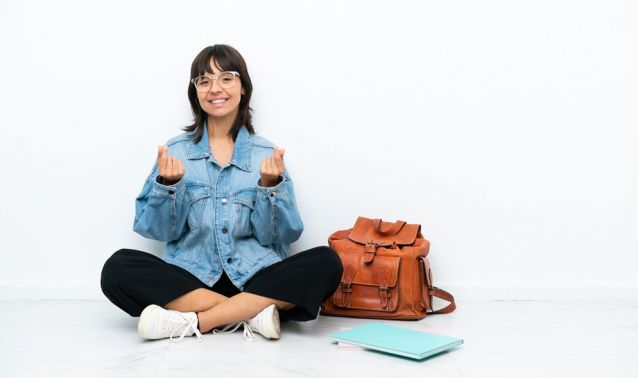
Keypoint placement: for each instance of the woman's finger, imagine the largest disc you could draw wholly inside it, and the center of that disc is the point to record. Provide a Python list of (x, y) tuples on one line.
[(272, 168), (279, 164), (181, 168), (161, 160), (262, 167), (264, 171), (172, 167), (279, 153), (165, 157), (175, 167)]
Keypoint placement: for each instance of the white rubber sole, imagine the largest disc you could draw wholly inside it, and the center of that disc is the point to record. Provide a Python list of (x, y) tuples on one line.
[(146, 314)]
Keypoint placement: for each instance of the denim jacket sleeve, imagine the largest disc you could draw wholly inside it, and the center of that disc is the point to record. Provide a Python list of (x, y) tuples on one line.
[(160, 210), (275, 219)]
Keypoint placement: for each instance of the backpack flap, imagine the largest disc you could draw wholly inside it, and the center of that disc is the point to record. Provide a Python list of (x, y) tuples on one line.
[(374, 233), (368, 286)]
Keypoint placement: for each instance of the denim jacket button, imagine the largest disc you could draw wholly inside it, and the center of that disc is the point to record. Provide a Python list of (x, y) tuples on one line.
[(228, 260), (224, 200), (224, 230), (171, 191), (272, 194)]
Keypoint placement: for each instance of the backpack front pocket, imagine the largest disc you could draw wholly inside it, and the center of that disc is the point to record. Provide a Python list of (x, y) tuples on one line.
[(368, 286)]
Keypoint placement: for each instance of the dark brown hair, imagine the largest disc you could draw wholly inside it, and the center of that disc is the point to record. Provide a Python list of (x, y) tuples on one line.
[(226, 59)]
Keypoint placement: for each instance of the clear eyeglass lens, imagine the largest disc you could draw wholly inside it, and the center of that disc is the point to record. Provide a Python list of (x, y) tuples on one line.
[(226, 79), (202, 82)]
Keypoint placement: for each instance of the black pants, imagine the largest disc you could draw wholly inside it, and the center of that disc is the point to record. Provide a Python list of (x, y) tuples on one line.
[(134, 279)]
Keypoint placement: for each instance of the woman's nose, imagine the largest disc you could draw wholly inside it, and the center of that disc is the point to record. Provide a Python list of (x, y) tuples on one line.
[(214, 86)]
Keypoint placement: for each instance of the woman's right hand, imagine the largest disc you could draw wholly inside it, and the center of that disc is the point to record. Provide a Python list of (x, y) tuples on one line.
[(171, 169)]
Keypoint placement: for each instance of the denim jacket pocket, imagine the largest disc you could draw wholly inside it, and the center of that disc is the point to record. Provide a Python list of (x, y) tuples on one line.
[(198, 195), (243, 205)]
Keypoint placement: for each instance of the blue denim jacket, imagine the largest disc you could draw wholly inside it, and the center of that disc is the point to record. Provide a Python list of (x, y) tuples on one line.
[(219, 218)]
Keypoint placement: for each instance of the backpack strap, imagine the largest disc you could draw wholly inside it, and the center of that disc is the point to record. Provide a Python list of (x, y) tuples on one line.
[(440, 293), (434, 291), (389, 229)]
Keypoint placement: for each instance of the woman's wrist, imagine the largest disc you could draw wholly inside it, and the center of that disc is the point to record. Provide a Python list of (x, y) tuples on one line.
[(164, 181), (270, 184)]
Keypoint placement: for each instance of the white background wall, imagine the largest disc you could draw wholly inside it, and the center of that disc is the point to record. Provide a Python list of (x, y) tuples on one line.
[(508, 129)]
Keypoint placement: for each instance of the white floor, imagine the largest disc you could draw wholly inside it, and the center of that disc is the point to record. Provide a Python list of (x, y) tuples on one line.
[(76, 338)]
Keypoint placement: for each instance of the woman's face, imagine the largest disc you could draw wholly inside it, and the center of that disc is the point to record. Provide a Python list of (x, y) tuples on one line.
[(221, 102)]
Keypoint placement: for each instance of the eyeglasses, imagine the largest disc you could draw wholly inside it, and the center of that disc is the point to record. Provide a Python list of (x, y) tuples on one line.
[(225, 80)]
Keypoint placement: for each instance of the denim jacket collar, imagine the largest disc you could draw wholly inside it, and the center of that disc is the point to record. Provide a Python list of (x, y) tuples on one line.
[(241, 151)]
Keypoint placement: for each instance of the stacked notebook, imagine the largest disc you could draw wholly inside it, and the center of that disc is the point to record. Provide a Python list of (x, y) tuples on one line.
[(397, 340)]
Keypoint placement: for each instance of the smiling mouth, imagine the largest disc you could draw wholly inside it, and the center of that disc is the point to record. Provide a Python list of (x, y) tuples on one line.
[(218, 101)]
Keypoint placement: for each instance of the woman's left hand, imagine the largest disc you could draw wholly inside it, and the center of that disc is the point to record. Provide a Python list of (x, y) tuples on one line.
[(272, 168)]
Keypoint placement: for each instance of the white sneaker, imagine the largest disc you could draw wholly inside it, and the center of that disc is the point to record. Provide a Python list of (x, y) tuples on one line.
[(265, 323), (158, 323)]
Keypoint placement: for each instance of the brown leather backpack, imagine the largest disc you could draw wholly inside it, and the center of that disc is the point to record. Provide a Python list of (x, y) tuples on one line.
[(386, 272)]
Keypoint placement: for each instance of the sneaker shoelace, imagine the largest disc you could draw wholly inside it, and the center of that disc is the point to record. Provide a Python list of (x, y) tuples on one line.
[(179, 321), (249, 335)]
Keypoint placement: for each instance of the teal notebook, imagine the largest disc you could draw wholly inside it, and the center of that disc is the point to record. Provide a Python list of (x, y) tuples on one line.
[(397, 340)]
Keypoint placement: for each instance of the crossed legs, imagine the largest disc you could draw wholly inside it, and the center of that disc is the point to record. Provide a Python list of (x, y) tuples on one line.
[(214, 310), (132, 280)]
